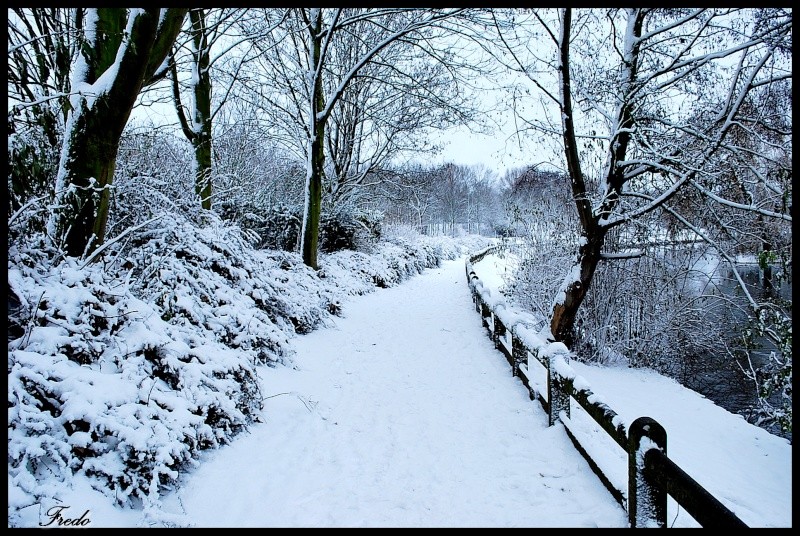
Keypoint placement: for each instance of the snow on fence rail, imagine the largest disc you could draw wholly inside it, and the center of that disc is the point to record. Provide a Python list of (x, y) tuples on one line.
[(651, 474)]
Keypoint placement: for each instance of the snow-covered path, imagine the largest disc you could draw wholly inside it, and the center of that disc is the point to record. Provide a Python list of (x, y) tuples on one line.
[(401, 415)]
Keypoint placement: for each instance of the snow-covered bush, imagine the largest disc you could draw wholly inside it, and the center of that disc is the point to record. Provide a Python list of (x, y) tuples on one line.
[(275, 227), (126, 368), (278, 227), (32, 159), (349, 228), (101, 382), (392, 262)]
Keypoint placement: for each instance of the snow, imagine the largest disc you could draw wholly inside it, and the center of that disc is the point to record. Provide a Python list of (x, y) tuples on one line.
[(742, 465), (748, 469), (398, 413), (105, 81), (90, 20), (423, 428), (91, 91), (573, 277)]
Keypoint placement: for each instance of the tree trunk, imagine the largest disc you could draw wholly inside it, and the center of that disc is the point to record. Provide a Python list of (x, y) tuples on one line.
[(198, 131), (566, 306), (202, 108), (89, 171), (766, 249), (203, 182), (313, 205), (576, 286), (95, 126)]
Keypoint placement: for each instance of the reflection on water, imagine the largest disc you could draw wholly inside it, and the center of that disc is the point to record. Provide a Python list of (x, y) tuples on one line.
[(717, 375)]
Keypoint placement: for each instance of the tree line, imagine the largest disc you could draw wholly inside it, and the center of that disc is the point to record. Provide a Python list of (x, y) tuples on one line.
[(660, 119)]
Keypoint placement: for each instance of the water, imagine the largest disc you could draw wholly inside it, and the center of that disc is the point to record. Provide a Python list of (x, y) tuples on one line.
[(717, 375)]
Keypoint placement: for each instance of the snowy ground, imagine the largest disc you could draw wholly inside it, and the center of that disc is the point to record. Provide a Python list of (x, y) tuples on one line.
[(403, 415), (748, 469)]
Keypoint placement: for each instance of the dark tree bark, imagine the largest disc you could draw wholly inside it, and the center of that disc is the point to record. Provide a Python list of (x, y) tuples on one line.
[(116, 68), (313, 207), (576, 286)]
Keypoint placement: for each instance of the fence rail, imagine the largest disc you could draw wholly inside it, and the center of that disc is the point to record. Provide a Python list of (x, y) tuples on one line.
[(651, 474)]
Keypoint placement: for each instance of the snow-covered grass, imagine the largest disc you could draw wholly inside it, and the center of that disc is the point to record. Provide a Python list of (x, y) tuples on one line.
[(126, 369)]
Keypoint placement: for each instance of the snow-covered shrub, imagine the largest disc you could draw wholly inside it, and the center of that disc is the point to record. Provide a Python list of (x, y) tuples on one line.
[(126, 368), (99, 382), (28, 165), (210, 280), (33, 142), (279, 227), (392, 261), (349, 229), (153, 176), (275, 227)]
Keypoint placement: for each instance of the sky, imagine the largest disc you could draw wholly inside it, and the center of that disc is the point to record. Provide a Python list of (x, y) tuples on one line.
[(402, 414), (499, 152)]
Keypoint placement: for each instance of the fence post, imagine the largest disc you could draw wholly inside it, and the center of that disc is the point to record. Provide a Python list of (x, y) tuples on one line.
[(499, 332), (647, 502), (519, 353), (485, 313), (558, 389)]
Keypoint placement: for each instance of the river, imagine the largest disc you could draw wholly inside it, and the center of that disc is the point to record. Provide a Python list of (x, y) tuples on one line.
[(715, 374)]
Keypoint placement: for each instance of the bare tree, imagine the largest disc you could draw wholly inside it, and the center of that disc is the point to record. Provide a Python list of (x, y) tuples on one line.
[(668, 88), (331, 65), (451, 194), (671, 121), (198, 129), (385, 111), (217, 29), (483, 200), (406, 197)]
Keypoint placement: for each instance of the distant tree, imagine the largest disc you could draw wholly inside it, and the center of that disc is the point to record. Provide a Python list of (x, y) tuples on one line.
[(406, 197), (538, 202), (451, 195), (483, 199)]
